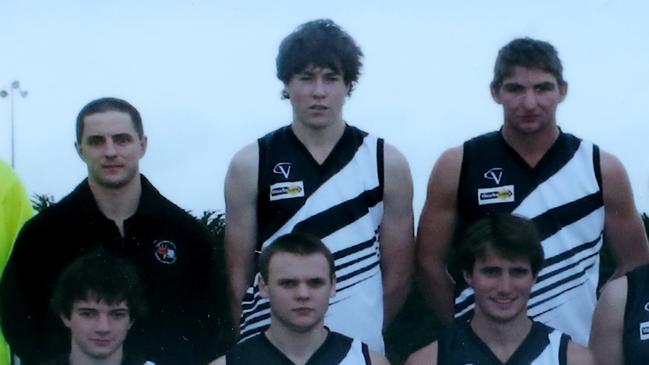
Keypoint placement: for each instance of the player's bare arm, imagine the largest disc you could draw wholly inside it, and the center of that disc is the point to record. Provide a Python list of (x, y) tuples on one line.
[(378, 359), (397, 232), (624, 231), (424, 356), (241, 224), (435, 232), (579, 355), (608, 323)]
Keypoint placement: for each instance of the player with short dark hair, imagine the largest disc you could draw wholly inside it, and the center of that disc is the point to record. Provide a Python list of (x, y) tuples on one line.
[(575, 193), (322, 176), (504, 252), (298, 279), (98, 297)]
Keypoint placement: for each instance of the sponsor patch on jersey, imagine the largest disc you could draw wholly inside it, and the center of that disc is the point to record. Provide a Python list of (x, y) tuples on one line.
[(286, 190), (500, 194), (644, 331), (165, 252)]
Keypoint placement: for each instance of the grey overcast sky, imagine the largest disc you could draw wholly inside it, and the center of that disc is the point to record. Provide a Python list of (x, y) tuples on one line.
[(202, 75)]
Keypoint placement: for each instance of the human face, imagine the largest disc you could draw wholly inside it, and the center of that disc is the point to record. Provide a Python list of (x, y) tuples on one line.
[(98, 329), (317, 95), (111, 148), (502, 286), (529, 98), (299, 288)]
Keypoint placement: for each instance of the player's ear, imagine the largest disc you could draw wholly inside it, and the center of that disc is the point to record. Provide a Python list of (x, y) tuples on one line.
[(468, 277), (284, 93), (263, 287), (143, 143), (66, 320), (332, 291), (563, 90), (79, 149), (495, 93)]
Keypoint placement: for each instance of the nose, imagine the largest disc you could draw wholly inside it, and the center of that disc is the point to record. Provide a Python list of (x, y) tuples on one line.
[(302, 292), (319, 88), (110, 150), (102, 324), (504, 284), (529, 100)]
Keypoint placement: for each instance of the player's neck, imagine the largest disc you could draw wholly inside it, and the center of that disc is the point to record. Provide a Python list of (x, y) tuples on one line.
[(502, 338), (78, 357), (297, 346), (531, 147), (319, 141), (118, 204)]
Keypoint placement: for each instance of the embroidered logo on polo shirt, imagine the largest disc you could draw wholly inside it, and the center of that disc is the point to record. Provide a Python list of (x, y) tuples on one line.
[(165, 252), (495, 174), (286, 190), (646, 306), (283, 168), (644, 331), (501, 194)]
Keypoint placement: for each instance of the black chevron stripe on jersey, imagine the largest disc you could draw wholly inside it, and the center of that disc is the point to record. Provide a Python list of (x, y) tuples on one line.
[(554, 219), (568, 254), (341, 215)]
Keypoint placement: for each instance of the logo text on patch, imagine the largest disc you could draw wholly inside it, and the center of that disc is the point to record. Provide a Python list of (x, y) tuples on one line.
[(644, 331), (500, 194), (283, 168), (286, 190), (495, 174)]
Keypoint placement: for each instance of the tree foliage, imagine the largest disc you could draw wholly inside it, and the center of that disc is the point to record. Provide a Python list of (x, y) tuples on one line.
[(42, 201)]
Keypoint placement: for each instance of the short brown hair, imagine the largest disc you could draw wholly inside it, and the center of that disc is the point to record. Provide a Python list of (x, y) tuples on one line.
[(510, 235), (302, 244), (101, 276)]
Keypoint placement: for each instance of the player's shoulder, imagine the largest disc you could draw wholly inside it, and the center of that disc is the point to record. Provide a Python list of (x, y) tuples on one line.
[(246, 158)]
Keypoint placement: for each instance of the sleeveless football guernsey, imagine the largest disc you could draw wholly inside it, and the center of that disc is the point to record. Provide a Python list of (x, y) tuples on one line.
[(340, 201), (562, 196)]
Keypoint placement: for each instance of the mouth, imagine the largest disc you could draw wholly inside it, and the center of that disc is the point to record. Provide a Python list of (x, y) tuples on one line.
[(100, 342), (303, 310), (529, 117), (504, 302), (318, 107)]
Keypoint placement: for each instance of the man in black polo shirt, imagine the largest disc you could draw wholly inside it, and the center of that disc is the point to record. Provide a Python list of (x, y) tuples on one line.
[(118, 209)]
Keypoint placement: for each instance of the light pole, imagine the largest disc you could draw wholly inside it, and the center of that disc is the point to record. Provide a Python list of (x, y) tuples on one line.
[(11, 91)]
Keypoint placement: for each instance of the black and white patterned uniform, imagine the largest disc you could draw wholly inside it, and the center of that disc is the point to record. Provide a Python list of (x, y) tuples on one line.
[(635, 338), (562, 195), (336, 349), (340, 201), (459, 345)]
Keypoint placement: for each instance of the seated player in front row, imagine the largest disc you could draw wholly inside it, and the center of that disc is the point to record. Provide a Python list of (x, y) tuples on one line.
[(98, 297), (500, 257), (298, 278)]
